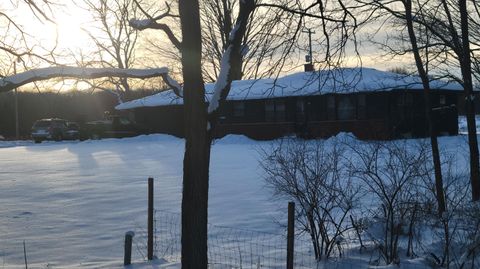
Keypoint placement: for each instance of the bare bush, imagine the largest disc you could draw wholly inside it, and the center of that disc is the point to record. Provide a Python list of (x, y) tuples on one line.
[(471, 237), (312, 174), (390, 172), (442, 229)]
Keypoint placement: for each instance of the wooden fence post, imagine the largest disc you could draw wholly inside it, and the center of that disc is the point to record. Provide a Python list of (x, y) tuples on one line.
[(127, 257), (150, 220), (290, 234)]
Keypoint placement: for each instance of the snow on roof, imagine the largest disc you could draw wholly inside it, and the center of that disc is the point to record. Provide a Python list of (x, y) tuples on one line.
[(341, 80)]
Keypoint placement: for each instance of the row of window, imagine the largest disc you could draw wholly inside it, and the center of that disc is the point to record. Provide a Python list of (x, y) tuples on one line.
[(275, 110), (347, 108), (340, 107)]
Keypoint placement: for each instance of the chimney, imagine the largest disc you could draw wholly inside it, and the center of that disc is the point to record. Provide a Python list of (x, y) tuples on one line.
[(309, 67)]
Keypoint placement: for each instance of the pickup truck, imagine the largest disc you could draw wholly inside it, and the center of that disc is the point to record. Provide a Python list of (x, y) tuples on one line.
[(112, 127)]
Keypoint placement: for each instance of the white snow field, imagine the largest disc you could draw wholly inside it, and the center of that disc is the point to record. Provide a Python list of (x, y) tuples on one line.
[(72, 202)]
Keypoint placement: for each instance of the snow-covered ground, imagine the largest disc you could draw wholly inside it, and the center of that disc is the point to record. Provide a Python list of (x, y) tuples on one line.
[(462, 124), (72, 202)]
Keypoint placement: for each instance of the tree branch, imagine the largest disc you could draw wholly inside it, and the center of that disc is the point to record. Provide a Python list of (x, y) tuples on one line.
[(15, 81), (303, 13), (222, 86), (152, 24)]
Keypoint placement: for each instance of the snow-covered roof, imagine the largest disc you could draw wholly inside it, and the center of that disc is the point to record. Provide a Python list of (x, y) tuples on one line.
[(342, 80)]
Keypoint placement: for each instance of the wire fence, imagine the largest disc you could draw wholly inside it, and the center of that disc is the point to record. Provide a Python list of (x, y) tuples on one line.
[(228, 248), (12, 256), (235, 248)]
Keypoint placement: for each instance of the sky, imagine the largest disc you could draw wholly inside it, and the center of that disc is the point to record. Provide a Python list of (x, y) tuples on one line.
[(68, 21), (71, 23)]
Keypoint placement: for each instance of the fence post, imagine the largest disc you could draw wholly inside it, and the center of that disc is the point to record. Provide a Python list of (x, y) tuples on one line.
[(150, 220), (290, 234), (127, 257), (25, 254)]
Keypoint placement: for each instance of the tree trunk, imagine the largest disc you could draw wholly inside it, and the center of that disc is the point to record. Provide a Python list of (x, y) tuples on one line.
[(197, 149), (466, 68), (126, 93), (237, 66), (428, 109), (198, 137)]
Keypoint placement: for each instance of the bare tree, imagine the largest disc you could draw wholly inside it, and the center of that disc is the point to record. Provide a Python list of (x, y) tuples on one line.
[(313, 174), (197, 131), (440, 30), (16, 43), (402, 15), (200, 119), (116, 42), (448, 28), (262, 45)]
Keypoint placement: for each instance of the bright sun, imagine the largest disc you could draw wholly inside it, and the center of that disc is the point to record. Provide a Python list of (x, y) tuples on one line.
[(67, 31), (70, 30)]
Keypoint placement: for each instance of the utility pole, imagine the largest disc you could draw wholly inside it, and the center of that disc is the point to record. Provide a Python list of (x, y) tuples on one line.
[(309, 57), (17, 130)]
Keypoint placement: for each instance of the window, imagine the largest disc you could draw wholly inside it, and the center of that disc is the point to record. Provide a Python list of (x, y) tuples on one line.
[(400, 100), (442, 100), (361, 107), (331, 107), (280, 110), (331, 101), (300, 108), (269, 110), (275, 110), (238, 109), (346, 108), (402, 109), (409, 100), (124, 121)]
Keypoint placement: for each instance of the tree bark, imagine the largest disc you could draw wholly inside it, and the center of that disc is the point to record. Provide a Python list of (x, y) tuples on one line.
[(237, 66), (428, 109), (466, 68), (197, 148)]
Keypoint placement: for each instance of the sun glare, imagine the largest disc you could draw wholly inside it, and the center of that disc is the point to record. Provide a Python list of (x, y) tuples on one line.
[(66, 33), (71, 33)]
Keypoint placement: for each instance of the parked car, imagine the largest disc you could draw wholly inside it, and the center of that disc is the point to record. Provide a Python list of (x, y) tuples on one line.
[(54, 129), (73, 131), (112, 126)]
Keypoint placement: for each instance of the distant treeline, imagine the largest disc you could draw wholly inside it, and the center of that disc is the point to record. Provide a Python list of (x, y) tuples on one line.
[(79, 106)]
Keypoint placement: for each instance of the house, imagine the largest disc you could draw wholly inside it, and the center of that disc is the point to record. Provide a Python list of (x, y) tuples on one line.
[(369, 103)]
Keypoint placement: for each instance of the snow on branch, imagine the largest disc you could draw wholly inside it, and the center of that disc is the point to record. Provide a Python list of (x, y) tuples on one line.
[(222, 80), (12, 82), (222, 86), (152, 23), (140, 24), (173, 84)]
